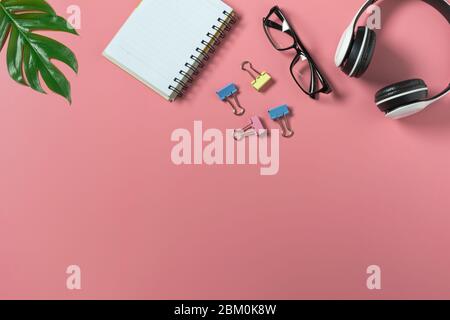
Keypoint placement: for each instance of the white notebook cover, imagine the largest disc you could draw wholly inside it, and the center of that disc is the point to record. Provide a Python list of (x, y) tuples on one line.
[(160, 37)]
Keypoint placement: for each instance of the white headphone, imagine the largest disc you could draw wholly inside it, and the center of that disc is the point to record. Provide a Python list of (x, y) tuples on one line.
[(355, 52)]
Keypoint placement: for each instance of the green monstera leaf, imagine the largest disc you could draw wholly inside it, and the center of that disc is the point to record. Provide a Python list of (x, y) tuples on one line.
[(29, 54)]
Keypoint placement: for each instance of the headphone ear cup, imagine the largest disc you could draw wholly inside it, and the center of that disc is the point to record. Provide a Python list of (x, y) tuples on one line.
[(400, 94), (367, 55), (361, 52)]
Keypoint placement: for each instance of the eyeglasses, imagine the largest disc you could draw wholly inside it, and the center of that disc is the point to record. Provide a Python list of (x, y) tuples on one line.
[(303, 68)]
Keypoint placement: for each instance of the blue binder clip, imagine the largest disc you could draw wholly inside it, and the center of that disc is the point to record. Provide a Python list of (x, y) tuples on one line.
[(229, 94), (280, 114)]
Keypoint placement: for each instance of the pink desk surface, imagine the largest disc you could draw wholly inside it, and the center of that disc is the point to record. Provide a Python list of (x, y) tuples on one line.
[(93, 184)]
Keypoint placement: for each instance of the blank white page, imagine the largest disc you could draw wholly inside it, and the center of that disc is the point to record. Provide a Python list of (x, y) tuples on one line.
[(159, 38)]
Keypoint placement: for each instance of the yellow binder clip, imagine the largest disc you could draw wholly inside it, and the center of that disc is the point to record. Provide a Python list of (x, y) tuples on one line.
[(261, 79)]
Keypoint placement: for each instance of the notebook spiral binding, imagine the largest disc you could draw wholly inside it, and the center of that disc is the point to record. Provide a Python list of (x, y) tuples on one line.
[(209, 47)]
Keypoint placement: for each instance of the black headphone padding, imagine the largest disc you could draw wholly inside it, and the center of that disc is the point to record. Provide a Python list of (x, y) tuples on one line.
[(367, 54), (399, 88)]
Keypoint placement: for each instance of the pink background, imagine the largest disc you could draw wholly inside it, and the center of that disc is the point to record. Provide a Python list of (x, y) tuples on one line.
[(93, 184)]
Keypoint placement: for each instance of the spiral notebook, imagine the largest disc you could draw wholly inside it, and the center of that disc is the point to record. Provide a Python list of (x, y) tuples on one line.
[(164, 43)]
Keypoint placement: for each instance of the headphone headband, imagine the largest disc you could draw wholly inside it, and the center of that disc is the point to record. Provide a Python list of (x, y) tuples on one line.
[(355, 52), (441, 5)]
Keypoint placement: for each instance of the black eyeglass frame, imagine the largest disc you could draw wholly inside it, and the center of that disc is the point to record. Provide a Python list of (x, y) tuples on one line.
[(300, 51)]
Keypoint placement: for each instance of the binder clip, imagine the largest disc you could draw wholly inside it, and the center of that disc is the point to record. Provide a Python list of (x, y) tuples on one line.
[(260, 79), (228, 94), (280, 114), (255, 127)]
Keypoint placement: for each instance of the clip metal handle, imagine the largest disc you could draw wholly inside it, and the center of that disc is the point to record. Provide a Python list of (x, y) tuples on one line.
[(255, 127), (286, 130), (280, 115), (250, 70), (236, 106)]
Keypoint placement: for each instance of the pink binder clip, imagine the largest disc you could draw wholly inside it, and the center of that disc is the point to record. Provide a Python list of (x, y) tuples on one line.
[(255, 127)]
